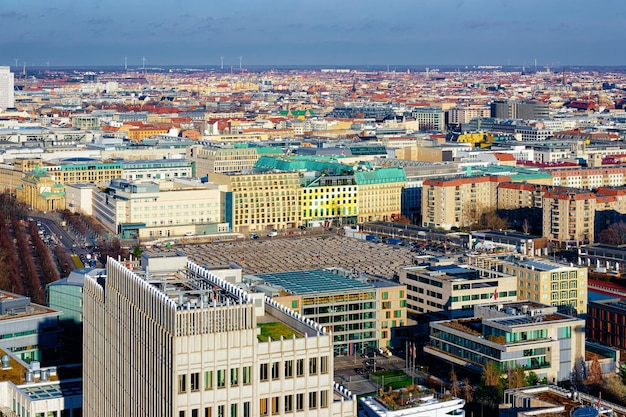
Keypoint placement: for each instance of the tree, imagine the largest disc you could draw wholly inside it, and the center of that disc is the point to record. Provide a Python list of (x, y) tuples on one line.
[(614, 234), (137, 251), (454, 383), (491, 220), (594, 375), (492, 374), (515, 377), (468, 391)]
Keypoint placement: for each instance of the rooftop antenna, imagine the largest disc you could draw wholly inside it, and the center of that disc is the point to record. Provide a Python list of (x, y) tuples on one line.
[(222, 61), (125, 63)]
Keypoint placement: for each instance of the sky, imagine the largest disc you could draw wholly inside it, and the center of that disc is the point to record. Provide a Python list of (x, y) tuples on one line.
[(312, 32)]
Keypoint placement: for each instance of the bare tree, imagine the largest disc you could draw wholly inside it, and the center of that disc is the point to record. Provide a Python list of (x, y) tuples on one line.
[(468, 391), (492, 374), (454, 383)]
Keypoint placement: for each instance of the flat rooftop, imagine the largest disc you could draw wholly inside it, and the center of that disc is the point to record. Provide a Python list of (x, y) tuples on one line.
[(312, 281), (48, 391)]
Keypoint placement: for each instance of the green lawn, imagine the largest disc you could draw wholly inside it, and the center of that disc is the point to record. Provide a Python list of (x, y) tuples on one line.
[(393, 378), (275, 330)]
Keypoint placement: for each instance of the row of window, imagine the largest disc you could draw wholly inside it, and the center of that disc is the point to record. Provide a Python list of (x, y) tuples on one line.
[(315, 400), (191, 382), (222, 377)]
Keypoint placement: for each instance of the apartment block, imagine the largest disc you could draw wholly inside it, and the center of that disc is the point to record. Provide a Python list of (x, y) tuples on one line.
[(524, 334), (568, 217), (458, 202), (170, 338), (560, 285)]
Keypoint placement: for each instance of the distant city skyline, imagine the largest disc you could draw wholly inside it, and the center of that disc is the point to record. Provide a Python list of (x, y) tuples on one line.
[(407, 32)]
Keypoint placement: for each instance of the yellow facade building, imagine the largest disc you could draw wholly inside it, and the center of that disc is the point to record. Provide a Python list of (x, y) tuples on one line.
[(40, 192)]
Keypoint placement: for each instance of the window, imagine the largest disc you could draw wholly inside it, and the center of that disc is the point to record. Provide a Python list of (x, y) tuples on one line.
[(323, 399), (208, 380), (233, 410), (299, 367), (288, 369), (263, 372), (194, 381), (182, 383), (234, 377), (194, 412), (312, 366), (275, 405), (207, 411), (313, 399), (288, 403), (246, 409), (220, 411), (221, 378), (263, 406), (275, 370), (324, 364), (299, 402), (246, 375)]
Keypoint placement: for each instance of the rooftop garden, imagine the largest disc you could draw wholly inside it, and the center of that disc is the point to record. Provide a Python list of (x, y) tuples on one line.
[(275, 330), (408, 397)]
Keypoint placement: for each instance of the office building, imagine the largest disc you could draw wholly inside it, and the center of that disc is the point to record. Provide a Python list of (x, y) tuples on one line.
[(524, 334), (150, 210), (30, 331), (28, 389), (560, 285), (451, 291), (525, 110), (66, 296), (172, 339), (360, 313), (7, 93), (606, 322), (260, 201)]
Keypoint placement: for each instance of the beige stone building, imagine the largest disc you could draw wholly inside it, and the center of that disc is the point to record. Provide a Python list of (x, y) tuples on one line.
[(543, 281), (458, 202), (172, 339), (568, 216), (261, 201), (220, 160)]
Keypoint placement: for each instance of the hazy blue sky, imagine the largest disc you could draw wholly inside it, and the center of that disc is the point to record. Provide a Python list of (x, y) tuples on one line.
[(300, 32)]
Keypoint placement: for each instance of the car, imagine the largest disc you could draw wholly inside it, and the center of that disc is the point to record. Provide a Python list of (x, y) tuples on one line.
[(272, 233)]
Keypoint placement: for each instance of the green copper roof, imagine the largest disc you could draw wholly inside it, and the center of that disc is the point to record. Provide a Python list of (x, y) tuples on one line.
[(380, 176)]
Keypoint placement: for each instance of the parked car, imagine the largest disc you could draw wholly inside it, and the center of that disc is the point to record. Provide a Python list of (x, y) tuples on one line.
[(272, 233)]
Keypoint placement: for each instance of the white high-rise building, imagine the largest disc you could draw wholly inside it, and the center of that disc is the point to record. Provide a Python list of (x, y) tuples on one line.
[(173, 339), (7, 95)]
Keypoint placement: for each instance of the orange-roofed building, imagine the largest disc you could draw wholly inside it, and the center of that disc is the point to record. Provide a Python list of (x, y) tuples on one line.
[(568, 217), (505, 158), (458, 202)]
